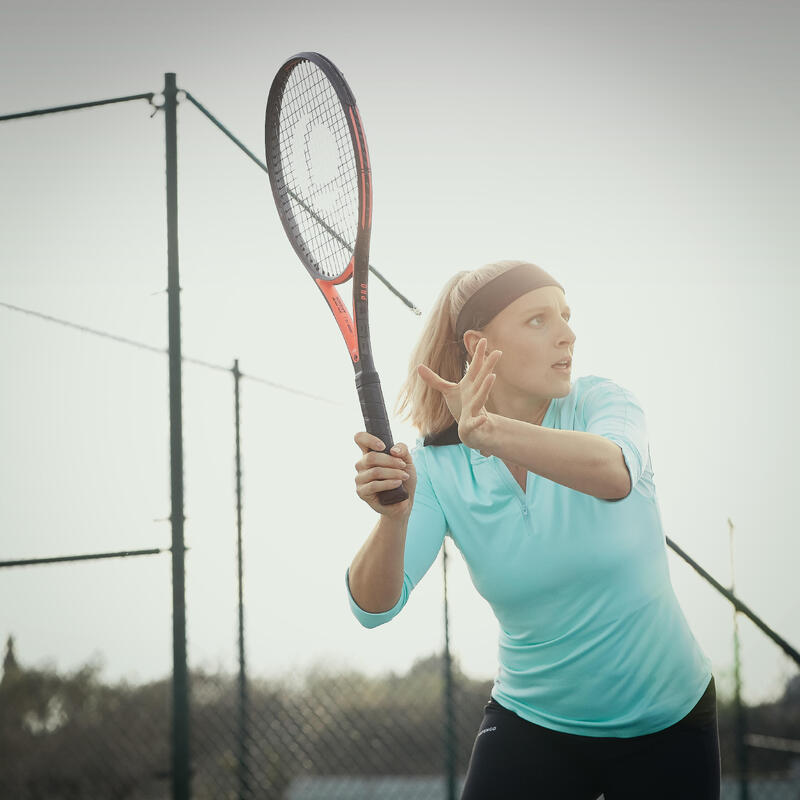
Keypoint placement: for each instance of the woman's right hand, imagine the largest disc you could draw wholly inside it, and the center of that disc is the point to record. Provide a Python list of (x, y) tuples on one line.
[(377, 471)]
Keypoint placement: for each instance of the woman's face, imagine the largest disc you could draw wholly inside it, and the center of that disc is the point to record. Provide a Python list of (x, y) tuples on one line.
[(534, 334)]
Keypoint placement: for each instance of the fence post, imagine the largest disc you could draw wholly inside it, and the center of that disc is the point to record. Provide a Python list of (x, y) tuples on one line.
[(180, 681), (741, 726), (449, 715), (243, 765)]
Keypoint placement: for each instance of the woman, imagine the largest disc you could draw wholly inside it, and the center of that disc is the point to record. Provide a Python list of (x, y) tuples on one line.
[(546, 487)]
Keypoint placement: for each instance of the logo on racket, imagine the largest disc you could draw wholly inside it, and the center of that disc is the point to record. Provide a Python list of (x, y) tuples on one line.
[(315, 160)]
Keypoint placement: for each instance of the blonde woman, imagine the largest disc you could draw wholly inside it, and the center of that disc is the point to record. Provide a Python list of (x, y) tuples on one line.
[(546, 487)]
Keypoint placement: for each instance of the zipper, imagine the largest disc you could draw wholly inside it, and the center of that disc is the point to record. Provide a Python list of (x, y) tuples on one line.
[(506, 475), (522, 496)]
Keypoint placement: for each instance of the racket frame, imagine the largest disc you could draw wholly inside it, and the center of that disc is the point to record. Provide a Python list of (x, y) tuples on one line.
[(355, 327)]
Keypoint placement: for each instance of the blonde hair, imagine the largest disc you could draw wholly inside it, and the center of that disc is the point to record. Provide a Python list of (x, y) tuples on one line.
[(440, 350)]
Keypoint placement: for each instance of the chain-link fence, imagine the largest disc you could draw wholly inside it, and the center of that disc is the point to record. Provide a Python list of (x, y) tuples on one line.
[(333, 733), (326, 734)]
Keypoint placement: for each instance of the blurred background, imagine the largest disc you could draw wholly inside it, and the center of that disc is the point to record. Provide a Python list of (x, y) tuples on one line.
[(644, 153)]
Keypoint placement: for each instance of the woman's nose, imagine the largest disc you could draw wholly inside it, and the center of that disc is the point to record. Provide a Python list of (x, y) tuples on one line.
[(567, 334)]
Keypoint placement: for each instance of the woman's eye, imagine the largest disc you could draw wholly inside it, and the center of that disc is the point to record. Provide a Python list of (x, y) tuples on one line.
[(538, 319)]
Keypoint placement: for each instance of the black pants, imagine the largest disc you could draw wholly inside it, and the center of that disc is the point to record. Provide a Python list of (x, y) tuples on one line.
[(514, 759)]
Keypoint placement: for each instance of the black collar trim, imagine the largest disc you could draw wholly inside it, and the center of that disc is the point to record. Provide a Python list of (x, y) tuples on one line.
[(445, 437)]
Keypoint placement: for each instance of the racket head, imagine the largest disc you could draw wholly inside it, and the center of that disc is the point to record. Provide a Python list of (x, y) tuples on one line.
[(321, 182), (318, 167)]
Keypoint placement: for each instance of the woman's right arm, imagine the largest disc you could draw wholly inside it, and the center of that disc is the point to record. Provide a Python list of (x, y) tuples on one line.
[(406, 539), (376, 574)]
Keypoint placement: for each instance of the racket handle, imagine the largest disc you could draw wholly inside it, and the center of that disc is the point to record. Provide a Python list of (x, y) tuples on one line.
[(368, 386)]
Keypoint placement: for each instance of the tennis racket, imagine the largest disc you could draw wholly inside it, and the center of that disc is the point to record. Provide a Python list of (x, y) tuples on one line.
[(322, 184)]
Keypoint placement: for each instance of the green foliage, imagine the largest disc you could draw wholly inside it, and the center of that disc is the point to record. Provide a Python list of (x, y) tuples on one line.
[(71, 735)]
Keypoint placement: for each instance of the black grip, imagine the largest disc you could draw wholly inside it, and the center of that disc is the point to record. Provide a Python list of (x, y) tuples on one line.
[(373, 409)]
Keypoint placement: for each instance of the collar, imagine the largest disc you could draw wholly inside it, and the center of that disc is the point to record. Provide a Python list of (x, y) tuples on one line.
[(442, 438), (450, 435)]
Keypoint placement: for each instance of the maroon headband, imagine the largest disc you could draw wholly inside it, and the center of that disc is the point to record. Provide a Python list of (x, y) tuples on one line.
[(498, 293)]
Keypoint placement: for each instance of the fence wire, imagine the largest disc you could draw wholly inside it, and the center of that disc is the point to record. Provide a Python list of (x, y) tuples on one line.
[(315, 735), (332, 735)]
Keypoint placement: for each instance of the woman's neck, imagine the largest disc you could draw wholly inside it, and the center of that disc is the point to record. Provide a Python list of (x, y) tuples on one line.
[(525, 409)]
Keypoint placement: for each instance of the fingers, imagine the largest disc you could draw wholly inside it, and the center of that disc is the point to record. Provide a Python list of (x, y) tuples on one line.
[(379, 471), (367, 442), (402, 452), (480, 397), (374, 460), (482, 364), (373, 456), (482, 376), (478, 368), (432, 379), (369, 490), (477, 359), (367, 477)]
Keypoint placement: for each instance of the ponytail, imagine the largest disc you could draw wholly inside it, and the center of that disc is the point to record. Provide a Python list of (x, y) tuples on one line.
[(440, 350)]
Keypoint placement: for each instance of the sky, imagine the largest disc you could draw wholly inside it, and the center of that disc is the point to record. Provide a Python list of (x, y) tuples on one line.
[(644, 153)]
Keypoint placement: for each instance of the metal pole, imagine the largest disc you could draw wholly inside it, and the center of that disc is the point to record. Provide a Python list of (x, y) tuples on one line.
[(738, 605), (449, 707), (180, 679), (244, 787), (741, 747)]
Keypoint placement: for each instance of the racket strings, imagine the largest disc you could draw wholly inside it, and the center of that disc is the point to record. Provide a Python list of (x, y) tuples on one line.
[(318, 171)]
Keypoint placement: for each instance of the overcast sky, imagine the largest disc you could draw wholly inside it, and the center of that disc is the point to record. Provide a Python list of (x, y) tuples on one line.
[(644, 153)]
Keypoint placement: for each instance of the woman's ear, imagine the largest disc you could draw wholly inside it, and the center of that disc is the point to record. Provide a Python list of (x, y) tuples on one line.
[(471, 339)]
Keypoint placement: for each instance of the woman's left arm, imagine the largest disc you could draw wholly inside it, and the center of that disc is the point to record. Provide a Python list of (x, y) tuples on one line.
[(586, 462)]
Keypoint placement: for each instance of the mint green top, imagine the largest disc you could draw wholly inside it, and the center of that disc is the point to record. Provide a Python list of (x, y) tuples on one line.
[(592, 639)]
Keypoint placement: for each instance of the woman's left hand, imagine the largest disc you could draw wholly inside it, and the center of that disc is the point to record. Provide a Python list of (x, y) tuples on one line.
[(466, 399)]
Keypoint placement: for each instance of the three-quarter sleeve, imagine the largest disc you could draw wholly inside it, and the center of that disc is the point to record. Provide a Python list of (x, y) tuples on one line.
[(424, 537), (614, 412)]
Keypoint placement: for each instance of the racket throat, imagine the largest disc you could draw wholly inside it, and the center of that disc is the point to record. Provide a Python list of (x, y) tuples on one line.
[(342, 315)]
